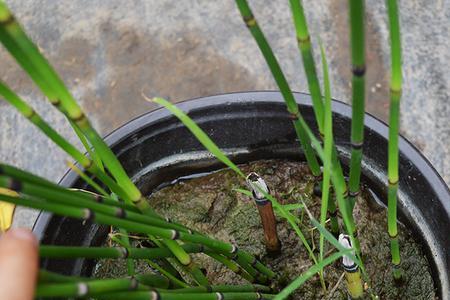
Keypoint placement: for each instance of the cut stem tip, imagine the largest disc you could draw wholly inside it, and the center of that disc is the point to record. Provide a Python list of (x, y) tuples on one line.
[(265, 208), (352, 272)]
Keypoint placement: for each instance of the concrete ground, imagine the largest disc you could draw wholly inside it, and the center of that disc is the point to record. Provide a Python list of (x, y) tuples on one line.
[(108, 52)]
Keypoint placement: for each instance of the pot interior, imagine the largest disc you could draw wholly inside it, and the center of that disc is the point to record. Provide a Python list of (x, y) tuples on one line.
[(156, 149)]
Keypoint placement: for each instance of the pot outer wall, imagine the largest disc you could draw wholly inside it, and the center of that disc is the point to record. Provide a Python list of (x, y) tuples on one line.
[(156, 148)]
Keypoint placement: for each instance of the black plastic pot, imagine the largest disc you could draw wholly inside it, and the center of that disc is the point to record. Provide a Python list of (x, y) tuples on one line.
[(155, 149)]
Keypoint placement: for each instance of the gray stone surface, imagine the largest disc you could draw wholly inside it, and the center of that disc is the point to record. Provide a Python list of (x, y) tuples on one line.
[(108, 52)]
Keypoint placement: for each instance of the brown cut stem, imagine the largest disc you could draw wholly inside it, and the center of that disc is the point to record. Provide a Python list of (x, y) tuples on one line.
[(265, 208), (273, 245)]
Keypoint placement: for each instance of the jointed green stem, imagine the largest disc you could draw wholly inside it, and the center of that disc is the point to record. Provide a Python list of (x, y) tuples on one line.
[(156, 295), (358, 94), (95, 158), (223, 289), (281, 81), (304, 44), (112, 252), (393, 152), (328, 143), (88, 180), (174, 279), (101, 286)]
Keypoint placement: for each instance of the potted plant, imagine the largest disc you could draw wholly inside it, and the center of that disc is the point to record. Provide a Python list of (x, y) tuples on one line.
[(249, 127)]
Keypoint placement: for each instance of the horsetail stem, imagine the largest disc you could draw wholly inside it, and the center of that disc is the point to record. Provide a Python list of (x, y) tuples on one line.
[(87, 179), (393, 152), (166, 267), (184, 261), (231, 265), (36, 119), (93, 154), (304, 44), (125, 241), (281, 81), (328, 144), (265, 209), (168, 272), (168, 295), (352, 272), (81, 195), (50, 251), (46, 276), (101, 286), (358, 95), (223, 289), (338, 181)]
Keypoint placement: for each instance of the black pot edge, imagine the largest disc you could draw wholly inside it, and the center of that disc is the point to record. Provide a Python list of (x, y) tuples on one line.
[(407, 148)]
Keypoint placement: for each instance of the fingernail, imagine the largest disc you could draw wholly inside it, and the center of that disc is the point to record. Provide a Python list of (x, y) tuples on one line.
[(23, 234)]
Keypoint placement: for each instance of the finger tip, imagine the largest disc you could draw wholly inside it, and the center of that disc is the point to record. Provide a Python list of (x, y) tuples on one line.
[(21, 234)]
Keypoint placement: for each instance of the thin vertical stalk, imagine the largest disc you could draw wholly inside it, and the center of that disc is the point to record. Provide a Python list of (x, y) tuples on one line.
[(95, 158), (87, 179), (281, 81), (393, 152), (358, 94), (304, 44), (357, 33), (328, 144)]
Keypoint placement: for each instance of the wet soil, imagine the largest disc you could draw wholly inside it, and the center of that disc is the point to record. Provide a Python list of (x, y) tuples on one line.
[(211, 204)]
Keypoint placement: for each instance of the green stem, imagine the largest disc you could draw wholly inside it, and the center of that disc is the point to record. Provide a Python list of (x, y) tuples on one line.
[(393, 152), (281, 81), (95, 158), (328, 143), (163, 270), (230, 265), (304, 44), (223, 289), (88, 180), (49, 251), (358, 95), (45, 276), (144, 295), (97, 287)]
